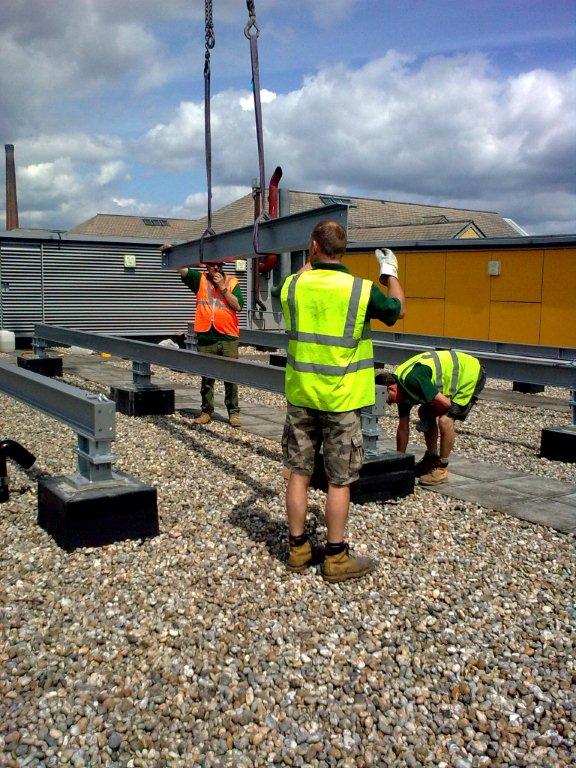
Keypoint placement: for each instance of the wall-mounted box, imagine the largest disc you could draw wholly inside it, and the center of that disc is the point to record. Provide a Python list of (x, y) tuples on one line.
[(494, 268), (240, 265), (129, 260)]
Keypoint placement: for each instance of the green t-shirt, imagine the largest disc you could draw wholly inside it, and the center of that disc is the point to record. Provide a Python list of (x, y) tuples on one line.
[(418, 388), (192, 280), (380, 307)]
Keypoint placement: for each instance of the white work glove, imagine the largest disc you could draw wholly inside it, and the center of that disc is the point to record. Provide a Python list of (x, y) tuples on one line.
[(387, 262)]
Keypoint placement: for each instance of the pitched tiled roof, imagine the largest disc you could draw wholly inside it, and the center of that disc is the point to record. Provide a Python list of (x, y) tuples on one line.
[(134, 226), (409, 232), (367, 220)]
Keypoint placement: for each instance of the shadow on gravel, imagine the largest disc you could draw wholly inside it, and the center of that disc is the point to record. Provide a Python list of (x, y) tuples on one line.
[(247, 514), (263, 529)]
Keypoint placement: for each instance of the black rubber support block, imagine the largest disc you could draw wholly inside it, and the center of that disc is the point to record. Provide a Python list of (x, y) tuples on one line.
[(558, 444), (93, 517), (278, 360), (46, 366), (144, 401), (529, 389), (390, 475)]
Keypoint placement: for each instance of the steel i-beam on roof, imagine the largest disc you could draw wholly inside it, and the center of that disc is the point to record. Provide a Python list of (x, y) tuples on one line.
[(92, 416), (511, 367), (287, 233), (255, 375)]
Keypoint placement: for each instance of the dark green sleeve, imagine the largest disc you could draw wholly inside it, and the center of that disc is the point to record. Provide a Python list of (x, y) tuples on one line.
[(192, 279), (380, 307), (418, 384), (239, 295)]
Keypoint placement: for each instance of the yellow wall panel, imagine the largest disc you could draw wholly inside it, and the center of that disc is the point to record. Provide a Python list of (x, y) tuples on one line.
[(515, 321), (425, 316), (558, 327), (467, 310), (520, 277), (425, 275)]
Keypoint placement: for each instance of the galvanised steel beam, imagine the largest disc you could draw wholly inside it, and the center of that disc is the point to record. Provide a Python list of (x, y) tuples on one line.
[(288, 233), (255, 375), (91, 416), (477, 345), (510, 367)]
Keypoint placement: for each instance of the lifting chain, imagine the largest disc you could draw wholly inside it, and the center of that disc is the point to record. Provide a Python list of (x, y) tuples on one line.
[(251, 25), (209, 27), (210, 43)]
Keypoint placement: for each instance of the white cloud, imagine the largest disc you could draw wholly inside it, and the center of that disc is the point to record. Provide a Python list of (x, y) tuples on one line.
[(448, 131)]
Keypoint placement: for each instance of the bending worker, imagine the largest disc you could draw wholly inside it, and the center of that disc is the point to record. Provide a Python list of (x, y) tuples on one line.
[(219, 299), (329, 378), (446, 385)]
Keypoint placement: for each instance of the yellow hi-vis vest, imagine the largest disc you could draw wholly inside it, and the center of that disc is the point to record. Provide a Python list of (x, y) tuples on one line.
[(330, 364), (455, 374)]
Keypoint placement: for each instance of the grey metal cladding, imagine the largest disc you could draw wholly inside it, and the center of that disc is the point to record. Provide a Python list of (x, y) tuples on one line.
[(87, 286), (21, 291)]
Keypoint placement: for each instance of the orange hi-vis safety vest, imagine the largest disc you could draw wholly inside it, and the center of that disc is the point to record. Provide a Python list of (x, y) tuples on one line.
[(213, 309)]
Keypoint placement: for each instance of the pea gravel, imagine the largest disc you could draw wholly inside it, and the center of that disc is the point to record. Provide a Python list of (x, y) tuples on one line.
[(197, 648)]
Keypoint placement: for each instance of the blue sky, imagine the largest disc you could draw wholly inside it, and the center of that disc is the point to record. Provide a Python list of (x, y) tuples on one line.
[(470, 104)]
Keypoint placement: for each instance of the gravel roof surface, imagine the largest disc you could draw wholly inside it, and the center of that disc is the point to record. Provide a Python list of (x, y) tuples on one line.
[(197, 648)]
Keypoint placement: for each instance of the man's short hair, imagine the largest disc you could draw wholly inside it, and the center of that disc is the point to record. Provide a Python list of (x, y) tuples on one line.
[(386, 379), (331, 238)]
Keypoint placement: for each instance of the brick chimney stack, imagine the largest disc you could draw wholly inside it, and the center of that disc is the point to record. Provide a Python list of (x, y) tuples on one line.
[(11, 197)]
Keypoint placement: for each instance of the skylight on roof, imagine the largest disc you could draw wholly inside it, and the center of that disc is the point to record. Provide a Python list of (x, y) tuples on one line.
[(156, 222), (331, 200)]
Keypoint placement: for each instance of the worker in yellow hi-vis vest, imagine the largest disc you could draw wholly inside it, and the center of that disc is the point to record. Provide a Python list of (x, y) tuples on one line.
[(329, 378), (445, 385)]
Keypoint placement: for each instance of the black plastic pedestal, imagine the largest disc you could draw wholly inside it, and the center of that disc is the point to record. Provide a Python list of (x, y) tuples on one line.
[(98, 514), (277, 359), (529, 389), (389, 475), (143, 401), (558, 444), (46, 366)]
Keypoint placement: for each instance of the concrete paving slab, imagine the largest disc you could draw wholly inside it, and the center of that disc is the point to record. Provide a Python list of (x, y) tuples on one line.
[(500, 499), (454, 478), (538, 486), (554, 514), (481, 471)]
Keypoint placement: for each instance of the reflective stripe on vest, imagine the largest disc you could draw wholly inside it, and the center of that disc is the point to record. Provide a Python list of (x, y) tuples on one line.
[(463, 370), (329, 362), (212, 309)]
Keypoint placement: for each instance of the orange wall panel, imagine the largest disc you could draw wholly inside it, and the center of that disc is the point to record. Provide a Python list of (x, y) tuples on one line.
[(425, 275), (467, 306), (515, 321), (520, 277), (558, 326)]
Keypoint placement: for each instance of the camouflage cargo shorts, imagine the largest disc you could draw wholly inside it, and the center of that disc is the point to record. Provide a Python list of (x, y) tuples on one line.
[(340, 435)]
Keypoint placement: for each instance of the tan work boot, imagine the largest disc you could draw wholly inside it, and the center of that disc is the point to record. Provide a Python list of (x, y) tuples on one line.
[(344, 566), (300, 558), (426, 464), (203, 418), (435, 477), (235, 420)]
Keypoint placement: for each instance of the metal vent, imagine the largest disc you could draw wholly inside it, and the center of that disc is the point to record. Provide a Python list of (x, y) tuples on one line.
[(156, 222)]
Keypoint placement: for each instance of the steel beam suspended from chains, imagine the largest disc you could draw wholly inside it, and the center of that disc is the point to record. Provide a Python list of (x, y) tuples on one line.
[(287, 233)]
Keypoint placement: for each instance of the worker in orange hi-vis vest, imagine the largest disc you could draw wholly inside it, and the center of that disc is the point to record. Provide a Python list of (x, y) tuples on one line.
[(219, 299)]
